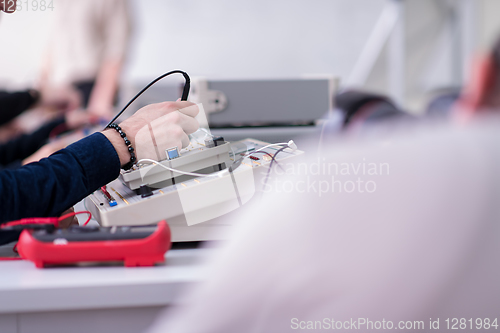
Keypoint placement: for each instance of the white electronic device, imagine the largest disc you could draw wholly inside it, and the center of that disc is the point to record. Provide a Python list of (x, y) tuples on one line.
[(197, 157), (192, 206)]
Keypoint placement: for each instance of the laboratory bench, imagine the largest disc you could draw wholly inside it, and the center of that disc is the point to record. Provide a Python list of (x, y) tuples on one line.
[(96, 298)]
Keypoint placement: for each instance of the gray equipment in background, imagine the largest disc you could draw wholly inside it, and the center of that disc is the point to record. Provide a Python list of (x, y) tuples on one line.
[(268, 110)]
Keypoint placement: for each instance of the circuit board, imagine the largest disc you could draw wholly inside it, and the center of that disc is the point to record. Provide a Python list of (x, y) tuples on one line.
[(192, 207), (196, 157)]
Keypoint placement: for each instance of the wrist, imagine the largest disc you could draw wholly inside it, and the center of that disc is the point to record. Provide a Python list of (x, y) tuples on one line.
[(127, 144), (119, 145)]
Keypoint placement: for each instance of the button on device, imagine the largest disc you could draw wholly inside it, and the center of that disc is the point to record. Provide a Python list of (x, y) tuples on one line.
[(172, 153)]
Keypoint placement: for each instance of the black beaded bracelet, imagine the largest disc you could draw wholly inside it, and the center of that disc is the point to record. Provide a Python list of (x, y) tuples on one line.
[(128, 143)]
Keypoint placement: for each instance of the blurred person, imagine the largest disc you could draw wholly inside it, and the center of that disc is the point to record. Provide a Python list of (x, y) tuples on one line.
[(481, 93), (54, 184), (87, 51), (362, 108), (483, 90), (408, 234), (25, 148), (357, 111), (16, 147), (13, 106)]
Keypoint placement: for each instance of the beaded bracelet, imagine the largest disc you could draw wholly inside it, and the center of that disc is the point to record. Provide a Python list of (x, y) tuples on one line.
[(128, 143)]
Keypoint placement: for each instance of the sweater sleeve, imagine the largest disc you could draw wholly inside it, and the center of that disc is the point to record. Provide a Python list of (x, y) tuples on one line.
[(13, 104), (52, 185)]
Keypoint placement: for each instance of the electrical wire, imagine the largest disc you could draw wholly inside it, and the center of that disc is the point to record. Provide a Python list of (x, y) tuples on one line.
[(272, 145), (271, 156), (47, 220), (185, 91), (31, 221), (230, 169), (76, 213), (234, 165), (178, 171), (44, 220), (86, 210), (271, 165), (260, 152)]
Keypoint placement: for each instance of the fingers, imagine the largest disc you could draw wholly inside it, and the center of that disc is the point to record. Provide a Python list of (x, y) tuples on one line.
[(187, 123), (190, 110), (71, 220), (161, 126), (185, 107), (184, 140)]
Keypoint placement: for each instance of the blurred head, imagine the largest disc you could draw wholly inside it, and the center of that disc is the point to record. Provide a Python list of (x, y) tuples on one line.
[(8, 6), (483, 89)]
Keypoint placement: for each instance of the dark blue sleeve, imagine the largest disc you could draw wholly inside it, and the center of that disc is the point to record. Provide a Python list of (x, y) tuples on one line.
[(49, 187)]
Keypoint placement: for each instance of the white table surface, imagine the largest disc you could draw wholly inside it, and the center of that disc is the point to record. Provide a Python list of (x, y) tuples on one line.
[(25, 288)]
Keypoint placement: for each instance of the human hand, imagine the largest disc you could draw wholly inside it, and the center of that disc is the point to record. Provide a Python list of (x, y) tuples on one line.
[(101, 111), (69, 221), (45, 151), (78, 118), (61, 99), (154, 128), (52, 147)]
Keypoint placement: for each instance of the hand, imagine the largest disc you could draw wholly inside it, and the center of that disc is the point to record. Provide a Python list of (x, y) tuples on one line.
[(44, 151), (78, 118), (53, 146), (69, 221), (101, 111), (62, 99), (165, 124)]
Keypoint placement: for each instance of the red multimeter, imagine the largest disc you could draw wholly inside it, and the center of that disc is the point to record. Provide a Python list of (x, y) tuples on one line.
[(136, 246)]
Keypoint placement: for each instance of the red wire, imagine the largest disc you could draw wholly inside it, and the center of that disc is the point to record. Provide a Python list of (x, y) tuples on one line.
[(88, 219), (76, 213), (47, 220)]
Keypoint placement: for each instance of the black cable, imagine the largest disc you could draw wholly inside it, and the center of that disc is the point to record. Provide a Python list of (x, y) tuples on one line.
[(266, 153), (185, 91), (237, 162), (271, 164)]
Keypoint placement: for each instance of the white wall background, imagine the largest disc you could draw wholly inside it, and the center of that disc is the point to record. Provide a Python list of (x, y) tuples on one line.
[(252, 39)]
